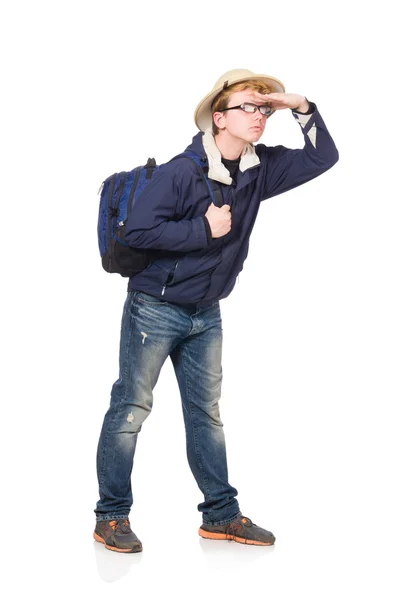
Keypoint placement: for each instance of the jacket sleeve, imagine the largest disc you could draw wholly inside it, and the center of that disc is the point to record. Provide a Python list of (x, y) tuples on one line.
[(153, 221), (286, 168)]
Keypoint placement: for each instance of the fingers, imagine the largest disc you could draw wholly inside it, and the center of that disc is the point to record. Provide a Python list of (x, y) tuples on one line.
[(272, 96)]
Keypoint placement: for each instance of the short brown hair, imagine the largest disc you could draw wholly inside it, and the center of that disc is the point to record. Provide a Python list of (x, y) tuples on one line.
[(221, 100)]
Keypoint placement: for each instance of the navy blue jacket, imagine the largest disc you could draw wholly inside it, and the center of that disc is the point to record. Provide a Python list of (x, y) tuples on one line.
[(169, 214)]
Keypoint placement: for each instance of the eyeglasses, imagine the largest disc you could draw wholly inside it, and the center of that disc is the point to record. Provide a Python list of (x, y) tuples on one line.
[(252, 108)]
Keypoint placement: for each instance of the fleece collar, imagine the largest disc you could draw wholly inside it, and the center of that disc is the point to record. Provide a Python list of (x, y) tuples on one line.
[(217, 169)]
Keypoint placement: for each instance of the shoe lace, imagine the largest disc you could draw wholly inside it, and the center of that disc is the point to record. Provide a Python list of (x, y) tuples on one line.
[(121, 525), (232, 527)]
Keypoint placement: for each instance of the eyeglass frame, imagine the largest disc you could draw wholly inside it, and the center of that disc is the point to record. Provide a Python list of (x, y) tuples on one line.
[(270, 110)]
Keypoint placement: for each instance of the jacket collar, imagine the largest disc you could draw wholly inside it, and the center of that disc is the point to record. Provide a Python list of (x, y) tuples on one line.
[(216, 169)]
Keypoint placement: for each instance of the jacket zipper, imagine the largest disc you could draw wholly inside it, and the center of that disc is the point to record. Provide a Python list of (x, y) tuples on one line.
[(169, 278)]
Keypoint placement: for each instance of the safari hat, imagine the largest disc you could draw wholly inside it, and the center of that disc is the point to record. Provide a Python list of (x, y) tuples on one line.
[(203, 113)]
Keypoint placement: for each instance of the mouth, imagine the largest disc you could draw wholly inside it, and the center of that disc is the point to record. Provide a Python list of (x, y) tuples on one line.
[(256, 128)]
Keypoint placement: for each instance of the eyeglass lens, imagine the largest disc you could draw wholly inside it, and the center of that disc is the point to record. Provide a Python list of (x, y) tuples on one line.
[(251, 108)]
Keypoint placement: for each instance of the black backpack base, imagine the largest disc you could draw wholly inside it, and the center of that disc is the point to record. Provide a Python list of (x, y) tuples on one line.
[(127, 261)]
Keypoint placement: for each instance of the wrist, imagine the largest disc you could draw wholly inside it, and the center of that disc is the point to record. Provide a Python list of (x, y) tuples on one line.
[(303, 106)]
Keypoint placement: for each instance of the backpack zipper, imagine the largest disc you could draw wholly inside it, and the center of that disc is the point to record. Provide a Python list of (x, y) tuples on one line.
[(111, 187), (116, 204), (138, 173), (121, 187)]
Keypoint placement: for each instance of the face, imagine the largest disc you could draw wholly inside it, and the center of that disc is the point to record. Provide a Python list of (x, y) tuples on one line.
[(247, 127)]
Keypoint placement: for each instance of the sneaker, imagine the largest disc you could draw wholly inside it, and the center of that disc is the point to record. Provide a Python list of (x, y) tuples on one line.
[(117, 536), (241, 530)]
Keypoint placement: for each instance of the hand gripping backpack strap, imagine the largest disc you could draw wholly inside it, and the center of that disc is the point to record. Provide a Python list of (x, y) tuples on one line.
[(213, 187)]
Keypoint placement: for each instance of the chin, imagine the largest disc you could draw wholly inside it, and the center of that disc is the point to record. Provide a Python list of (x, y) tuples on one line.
[(254, 136)]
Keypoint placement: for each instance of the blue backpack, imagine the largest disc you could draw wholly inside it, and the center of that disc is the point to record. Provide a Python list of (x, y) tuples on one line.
[(118, 195)]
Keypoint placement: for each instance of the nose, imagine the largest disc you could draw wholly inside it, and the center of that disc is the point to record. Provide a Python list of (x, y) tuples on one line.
[(258, 115)]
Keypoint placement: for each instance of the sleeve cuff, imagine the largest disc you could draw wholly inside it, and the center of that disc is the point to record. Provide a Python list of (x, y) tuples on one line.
[(310, 111)]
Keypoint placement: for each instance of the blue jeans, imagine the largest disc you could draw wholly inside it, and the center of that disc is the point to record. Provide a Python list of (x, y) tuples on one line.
[(151, 331)]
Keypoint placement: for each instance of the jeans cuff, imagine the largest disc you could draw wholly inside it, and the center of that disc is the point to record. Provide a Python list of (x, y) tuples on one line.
[(239, 514), (111, 517)]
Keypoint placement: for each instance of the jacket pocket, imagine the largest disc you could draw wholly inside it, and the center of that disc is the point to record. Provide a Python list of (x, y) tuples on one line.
[(192, 267), (170, 277)]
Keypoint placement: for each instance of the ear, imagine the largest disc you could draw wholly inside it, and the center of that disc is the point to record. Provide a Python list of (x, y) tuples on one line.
[(219, 119)]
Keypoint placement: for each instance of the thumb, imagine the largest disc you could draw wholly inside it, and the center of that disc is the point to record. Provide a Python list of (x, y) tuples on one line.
[(225, 207)]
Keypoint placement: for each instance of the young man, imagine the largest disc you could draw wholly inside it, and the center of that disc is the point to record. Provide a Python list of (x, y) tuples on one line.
[(172, 307)]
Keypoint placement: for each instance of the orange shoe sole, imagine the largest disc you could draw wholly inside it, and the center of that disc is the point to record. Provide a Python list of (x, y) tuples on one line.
[(223, 536), (98, 538)]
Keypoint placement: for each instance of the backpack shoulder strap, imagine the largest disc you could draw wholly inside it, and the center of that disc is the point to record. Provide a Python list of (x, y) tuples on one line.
[(213, 187)]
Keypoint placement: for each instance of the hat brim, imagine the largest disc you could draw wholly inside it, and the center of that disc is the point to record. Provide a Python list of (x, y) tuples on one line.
[(203, 112)]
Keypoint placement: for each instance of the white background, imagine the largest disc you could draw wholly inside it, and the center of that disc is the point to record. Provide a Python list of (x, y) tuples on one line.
[(309, 331)]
